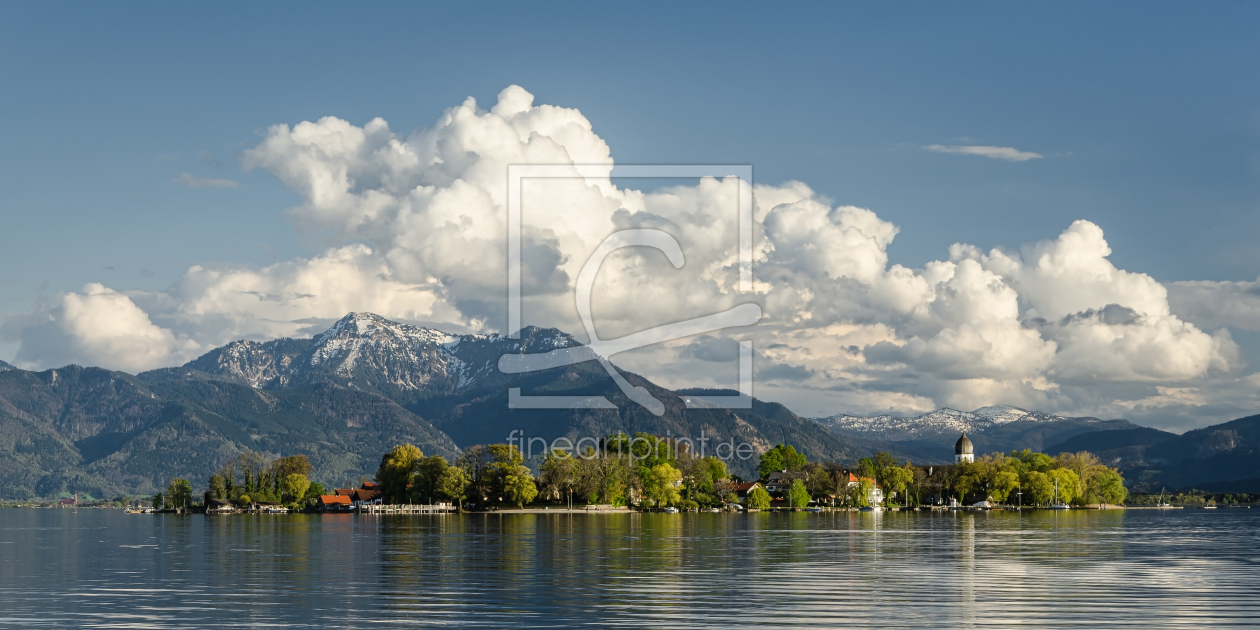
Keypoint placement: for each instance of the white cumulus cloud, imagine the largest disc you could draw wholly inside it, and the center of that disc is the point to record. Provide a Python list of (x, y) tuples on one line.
[(1216, 304), (417, 232)]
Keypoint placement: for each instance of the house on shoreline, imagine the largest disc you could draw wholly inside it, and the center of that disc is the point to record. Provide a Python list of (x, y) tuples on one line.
[(369, 494), (334, 503)]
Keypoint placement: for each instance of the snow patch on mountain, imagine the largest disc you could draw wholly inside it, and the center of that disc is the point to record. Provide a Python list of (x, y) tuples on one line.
[(939, 422), (374, 352)]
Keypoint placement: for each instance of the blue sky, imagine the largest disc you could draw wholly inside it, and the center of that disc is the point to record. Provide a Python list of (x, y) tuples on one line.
[(1147, 116)]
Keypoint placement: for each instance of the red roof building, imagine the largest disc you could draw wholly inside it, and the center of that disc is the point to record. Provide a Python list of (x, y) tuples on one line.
[(365, 496), (334, 503)]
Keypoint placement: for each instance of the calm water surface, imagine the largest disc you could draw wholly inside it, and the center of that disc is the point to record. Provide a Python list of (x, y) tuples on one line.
[(106, 569)]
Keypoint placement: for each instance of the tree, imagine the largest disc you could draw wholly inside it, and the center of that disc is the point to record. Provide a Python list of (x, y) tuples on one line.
[(866, 467), (1038, 487), (395, 472), (518, 485), (505, 455), (759, 499), (1109, 486), (1085, 465), (1002, 484), (966, 479), (557, 474), (314, 491), (429, 471), (280, 469), (649, 450), (884, 460), (476, 462), (863, 490), (453, 484), (1069, 484), (295, 485), (1033, 462), (179, 494), (897, 479), (157, 500), (781, 457), (918, 483), (609, 478), (820, 482), (216, 488), (661, 484), (717, 472), (798, 496)]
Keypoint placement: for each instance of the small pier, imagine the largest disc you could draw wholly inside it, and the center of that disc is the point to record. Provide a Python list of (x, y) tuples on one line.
[(405, 508)]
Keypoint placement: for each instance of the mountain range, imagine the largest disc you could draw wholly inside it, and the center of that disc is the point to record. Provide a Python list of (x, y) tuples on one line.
[(343, 398), (1001, 428), (1219, 458), (347, 395)]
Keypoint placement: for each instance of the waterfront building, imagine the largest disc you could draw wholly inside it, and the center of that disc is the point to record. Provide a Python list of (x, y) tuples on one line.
[(334, 503), (875, 496), (780, 481)]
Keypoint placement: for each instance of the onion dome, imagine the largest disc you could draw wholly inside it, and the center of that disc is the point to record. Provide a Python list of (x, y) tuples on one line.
[(963, 446)]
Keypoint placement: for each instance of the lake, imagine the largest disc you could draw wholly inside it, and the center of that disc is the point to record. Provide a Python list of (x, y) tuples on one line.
[(65, 568)]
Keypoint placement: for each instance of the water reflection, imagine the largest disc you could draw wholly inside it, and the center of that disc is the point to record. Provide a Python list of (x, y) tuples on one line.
[(94, 568)]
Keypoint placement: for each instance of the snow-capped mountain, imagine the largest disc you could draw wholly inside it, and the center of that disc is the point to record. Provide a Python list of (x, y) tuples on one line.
[(371, 352), (943, 421), (999, 428)]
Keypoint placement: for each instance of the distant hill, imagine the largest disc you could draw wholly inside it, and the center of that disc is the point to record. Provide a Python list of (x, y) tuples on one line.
[(1106, 442), (103, 433), (930, 437), (343, 398), (1220, 458)]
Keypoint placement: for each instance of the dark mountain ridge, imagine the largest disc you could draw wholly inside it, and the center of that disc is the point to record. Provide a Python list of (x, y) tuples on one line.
[(1220, 458)]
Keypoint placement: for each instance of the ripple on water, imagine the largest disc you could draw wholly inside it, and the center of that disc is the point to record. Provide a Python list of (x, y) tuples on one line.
[(1043, 569)]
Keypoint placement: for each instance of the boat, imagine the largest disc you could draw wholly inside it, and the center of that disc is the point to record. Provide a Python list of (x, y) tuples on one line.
[(1209, 507), (1161, 505), (870, 508), (813, 509), (714, 510), (671, 510), (1056, 504)]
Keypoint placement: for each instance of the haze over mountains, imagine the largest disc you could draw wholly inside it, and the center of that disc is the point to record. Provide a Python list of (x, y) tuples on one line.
[(347, 395)]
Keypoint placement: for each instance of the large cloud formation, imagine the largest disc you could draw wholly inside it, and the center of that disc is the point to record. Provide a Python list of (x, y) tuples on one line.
[(419, 233)]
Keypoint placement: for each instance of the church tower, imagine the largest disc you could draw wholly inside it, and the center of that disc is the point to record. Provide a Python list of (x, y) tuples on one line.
[(964, 451)]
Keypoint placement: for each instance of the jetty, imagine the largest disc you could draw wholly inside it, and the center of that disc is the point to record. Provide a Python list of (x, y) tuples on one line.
[(404, 508)]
